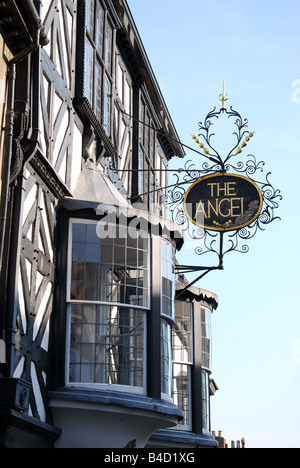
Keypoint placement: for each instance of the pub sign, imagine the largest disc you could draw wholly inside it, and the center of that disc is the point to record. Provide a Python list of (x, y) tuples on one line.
[(223, 202)]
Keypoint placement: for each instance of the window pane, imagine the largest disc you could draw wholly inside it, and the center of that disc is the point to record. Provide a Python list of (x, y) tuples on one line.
[(79, 252), (107, 106), (108, 48), (98, 90), (181, 391), (132, 255), (79, 233), (92, 253), (147, 130), (90, 17), (98, 60), (183, 353), (166, 358), (182, 333), (205, 401), (78, 270), (168, 279), (107, 345), (99, 28), (91, 234), (119, 255), (142, 117), (111, 269), (88, 78), (206, 338), (92, 272), (107, 253)]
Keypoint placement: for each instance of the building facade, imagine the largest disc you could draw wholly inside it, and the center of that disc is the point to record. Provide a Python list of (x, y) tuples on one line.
[(87, 303)]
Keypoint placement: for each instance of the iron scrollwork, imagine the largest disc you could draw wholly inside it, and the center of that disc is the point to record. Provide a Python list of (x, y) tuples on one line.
[(222, 243)]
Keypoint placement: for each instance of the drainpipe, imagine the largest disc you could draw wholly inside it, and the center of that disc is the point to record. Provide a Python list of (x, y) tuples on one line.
[(36, 21), (6, 160), (40, 38)]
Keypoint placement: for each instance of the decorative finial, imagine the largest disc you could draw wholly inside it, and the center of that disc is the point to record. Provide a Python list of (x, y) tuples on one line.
[(223, 97)]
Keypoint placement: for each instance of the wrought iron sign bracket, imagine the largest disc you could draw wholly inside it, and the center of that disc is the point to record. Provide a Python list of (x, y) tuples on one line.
[(226, 199), (192, 268), (207, 270), (181, 269)]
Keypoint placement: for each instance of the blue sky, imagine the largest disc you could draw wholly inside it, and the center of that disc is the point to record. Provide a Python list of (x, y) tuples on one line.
[(254, 46)]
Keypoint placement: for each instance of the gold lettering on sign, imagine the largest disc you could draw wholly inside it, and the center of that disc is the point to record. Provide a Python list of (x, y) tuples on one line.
[(200, 210), (226, 188), (226, 207)]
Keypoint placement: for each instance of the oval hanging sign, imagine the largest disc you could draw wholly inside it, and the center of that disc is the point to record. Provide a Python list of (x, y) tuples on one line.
[(223, 202)]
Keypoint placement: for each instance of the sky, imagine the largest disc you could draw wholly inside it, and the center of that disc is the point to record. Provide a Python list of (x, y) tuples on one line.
[(255, 47)]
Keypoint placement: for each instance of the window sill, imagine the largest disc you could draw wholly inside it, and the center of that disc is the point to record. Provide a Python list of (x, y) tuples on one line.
[(105, 388), (126, 400), (176, 438)]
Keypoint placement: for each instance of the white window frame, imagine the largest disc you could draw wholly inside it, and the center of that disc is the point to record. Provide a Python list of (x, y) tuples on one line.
[(70, 302), (207, 311), (169, 319), (163, 315), (166, 396), (205, 430), (101, 386), (189, 364), (182, 427)]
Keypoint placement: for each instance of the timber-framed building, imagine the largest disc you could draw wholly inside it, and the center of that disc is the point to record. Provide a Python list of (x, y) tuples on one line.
[(87, 292)]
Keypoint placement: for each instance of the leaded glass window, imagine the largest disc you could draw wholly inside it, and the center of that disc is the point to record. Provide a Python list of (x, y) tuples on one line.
[(206, 338), (166, 358), (106, 345), (108, 298), (167, 312), (112, 269), (168, 279), (205, 402), (99, 41)]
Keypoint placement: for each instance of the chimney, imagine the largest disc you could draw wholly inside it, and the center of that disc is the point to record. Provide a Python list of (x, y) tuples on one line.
[(220, 439)]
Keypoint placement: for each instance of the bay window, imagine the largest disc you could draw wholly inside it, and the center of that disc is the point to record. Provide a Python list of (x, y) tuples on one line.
[(119, 296), (108, 298)]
